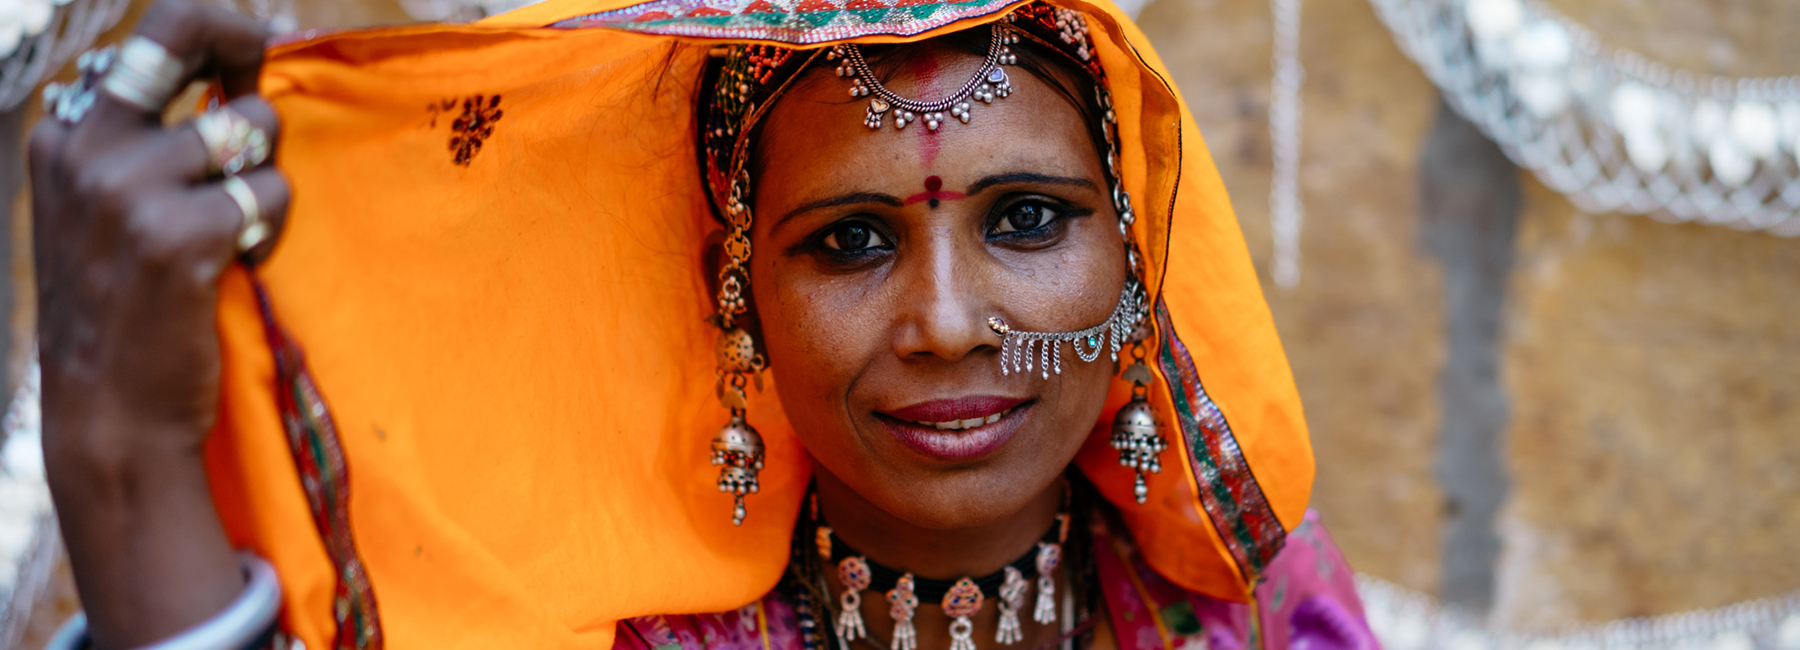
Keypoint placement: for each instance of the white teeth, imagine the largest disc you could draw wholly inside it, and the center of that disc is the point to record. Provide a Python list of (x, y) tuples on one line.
[(955, 425)]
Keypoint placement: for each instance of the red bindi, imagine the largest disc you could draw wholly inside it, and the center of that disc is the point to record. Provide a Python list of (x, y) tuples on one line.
[(933, 193)]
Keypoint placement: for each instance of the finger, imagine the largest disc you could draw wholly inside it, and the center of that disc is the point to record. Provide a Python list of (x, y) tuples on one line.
[(187, 155), (203, 40), (42, 152), (209, 39), (43, 161), (225, 218), (46, 143)]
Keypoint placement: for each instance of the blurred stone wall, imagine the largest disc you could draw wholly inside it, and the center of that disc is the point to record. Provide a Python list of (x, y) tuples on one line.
[(1648, 379)]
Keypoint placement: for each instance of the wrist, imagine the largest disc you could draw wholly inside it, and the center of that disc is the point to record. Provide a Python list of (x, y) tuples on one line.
[(149, 554), (96, 443)]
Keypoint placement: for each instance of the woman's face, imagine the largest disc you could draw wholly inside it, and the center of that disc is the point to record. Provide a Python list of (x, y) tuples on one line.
[(881, 254)]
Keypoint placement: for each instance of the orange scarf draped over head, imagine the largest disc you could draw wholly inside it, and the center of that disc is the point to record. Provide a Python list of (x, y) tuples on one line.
[(469, 399)]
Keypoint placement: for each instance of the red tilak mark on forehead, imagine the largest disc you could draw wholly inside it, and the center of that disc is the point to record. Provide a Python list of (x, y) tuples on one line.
[(925, 70), (932, 192), (934, 197)]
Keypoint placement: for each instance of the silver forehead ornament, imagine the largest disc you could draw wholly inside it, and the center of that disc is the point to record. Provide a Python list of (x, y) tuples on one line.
[(988, 84)]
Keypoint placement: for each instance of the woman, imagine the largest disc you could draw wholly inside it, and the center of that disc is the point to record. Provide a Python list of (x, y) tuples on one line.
[(940, 228)]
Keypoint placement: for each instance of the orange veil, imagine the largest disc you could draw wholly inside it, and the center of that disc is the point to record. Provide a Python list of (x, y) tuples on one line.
[(468, 400)]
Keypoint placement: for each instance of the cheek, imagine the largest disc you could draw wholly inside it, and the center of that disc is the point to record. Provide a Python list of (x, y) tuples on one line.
[(811, 336), (1069, 289)]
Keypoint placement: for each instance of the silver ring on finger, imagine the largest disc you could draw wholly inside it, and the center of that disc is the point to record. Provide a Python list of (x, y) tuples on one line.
[(144, 75), (254, 229), (233, 142), (69, 102)]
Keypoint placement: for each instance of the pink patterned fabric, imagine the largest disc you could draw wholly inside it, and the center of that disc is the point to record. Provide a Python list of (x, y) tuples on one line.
[(1307, 601), (734, 630)]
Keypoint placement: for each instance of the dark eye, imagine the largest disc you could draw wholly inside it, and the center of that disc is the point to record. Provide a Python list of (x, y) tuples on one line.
[(854, 236), (1025, 217)]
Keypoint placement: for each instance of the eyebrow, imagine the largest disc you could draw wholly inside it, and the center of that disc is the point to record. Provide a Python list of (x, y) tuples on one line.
[(842, 199), (978, 187), (1027, 177)]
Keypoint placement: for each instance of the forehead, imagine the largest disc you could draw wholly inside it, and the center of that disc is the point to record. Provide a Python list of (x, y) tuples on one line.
[(815, 140)]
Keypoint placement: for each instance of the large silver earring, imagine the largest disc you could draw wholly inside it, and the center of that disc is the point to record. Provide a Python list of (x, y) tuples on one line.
[(1135, 434), (737, 449)]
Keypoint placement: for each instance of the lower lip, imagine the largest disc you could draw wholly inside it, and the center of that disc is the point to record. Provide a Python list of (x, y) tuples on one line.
[(958, 445)]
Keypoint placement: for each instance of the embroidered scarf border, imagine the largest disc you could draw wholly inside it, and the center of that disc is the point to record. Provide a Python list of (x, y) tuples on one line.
[(1228, 488), (325, 477), (806, 22)]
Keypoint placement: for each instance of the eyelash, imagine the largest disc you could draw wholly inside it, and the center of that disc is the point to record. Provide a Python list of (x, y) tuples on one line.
[(826, 241), (1058, 215), (876, 240)]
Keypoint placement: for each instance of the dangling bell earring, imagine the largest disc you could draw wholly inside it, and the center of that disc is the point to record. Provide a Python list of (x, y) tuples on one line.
[(1134, 431), (737, 449)]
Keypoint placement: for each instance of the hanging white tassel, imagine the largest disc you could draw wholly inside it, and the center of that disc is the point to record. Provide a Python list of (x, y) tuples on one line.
[(854, 573), (962, 634), (1048, 556), (1012, 596), (849, 620), (902, 602)]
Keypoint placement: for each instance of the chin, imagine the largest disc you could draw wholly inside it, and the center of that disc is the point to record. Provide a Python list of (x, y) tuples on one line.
[(949, 498)]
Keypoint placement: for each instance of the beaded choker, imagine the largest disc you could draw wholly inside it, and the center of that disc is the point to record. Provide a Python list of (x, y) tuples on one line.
[(960, 598)]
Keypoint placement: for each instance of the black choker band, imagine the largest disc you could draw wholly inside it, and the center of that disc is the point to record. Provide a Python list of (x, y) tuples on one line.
[(883, 578), (960, 600)]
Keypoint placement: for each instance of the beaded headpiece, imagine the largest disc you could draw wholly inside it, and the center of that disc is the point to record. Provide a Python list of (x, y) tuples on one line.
[(745, 80)]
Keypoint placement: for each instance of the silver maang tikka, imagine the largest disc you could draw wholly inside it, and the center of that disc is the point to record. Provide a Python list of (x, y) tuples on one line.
[(989, 83)]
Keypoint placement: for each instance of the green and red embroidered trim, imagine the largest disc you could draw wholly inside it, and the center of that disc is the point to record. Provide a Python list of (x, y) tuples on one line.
[(807, 22), (1228, 488), (325, 477)]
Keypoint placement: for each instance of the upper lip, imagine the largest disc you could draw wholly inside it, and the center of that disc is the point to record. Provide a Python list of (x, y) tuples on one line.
[(957, 408)]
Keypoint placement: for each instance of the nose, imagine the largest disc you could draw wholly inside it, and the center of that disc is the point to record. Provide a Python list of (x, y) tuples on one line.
[(943, 302)]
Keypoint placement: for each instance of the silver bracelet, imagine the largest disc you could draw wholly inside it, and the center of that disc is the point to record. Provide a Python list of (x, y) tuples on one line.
[(245, 624)]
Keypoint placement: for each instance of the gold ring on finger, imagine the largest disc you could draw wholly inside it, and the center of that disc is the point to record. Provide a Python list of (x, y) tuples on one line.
[(144, 75), (254, 229), (233, 142)]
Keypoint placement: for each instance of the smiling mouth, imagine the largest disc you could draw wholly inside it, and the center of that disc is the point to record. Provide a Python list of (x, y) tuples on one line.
[(957, 430), (959, 425)]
